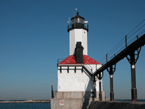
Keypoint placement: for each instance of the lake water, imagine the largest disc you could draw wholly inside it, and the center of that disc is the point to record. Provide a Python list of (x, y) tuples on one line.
[(24, 105)]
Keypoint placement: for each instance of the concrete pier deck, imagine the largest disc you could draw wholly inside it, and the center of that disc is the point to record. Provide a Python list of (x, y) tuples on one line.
[(116, 105)]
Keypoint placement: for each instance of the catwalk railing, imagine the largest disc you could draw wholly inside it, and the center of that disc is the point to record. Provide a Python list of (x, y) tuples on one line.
[(124, 46), (132, 47), (139, 30)]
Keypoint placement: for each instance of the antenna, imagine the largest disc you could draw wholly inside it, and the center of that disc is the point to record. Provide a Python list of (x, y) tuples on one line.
[(68, 21), (75, 10)]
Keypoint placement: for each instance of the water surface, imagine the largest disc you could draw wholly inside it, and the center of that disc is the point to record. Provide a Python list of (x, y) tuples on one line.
[(24, 105)]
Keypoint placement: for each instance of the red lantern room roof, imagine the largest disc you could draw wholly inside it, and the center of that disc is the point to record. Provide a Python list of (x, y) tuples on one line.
[(71, 60)]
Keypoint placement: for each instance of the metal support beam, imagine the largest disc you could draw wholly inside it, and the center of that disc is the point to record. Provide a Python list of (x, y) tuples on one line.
[(133, 84), (111, 71), (100, 76), (94, 85), (132, 58), (67, 69), (100, 91), (82, 69), (111, 88), (75, 69), (60, 69)]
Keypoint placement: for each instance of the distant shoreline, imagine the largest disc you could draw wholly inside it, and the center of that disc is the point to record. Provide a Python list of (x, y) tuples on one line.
[(27, 101)]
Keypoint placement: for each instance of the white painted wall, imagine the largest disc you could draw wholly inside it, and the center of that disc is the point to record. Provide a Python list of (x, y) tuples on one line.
[(78, 35), (76, 81)]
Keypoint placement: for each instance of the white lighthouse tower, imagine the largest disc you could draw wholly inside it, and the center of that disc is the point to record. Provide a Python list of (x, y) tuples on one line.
[(78, 33), (74, 72)]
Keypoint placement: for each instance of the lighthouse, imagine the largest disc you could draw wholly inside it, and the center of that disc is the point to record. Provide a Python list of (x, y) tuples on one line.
[(74, 72), (78, 33)]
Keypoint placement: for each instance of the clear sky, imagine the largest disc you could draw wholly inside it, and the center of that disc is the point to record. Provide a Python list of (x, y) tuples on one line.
[(33, 35)]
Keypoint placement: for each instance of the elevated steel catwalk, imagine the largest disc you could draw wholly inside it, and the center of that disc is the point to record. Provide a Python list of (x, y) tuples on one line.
[(132, 47)]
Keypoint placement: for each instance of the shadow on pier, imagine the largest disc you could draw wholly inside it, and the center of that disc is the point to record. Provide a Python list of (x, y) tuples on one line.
[(116, 105)]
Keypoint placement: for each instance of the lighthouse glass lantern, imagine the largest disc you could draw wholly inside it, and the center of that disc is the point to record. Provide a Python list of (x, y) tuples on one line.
[(77, 22)]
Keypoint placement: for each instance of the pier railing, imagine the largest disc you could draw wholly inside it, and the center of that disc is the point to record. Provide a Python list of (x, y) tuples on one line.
[(54, 94)]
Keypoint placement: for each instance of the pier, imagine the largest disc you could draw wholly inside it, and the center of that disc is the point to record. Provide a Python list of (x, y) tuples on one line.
[(27, 101)]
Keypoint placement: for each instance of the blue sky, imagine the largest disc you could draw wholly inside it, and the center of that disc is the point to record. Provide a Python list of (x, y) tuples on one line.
[(33, 35)]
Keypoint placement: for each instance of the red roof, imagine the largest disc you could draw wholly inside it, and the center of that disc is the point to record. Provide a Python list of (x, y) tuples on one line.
[(71, 60)]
